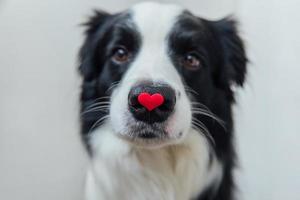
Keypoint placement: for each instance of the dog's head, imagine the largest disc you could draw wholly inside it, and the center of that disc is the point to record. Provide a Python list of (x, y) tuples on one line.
[(150, 71)]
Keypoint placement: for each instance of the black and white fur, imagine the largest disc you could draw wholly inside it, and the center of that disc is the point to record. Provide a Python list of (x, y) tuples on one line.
[(195, 159)]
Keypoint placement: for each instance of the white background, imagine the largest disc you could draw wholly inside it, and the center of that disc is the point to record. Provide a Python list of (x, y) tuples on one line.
[(41, 157)]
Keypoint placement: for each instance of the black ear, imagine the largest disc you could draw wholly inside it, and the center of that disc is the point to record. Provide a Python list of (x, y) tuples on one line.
[(88, 49), (233, 52)]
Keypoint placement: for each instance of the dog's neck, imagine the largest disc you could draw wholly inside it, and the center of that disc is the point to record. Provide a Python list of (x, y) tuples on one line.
[(152, 173)]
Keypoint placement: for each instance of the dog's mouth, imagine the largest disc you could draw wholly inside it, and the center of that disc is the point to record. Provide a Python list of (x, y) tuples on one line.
[(146, 135)]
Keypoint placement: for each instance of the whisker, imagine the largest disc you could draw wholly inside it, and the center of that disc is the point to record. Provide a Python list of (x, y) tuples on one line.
[(199, 123), (113, 85), (97, 104), (201, 109), (199, 126), (96, 109), (188, 89), (199, 104), (209, 114), (101, 98), (209, 137), (98, 123)]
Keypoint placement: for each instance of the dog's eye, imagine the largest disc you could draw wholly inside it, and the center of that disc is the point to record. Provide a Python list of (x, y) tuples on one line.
[(191, 61), (120, 55)]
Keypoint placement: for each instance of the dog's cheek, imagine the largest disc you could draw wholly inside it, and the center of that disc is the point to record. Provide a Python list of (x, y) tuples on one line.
[(116, 113), (119, 113), (179, 123)]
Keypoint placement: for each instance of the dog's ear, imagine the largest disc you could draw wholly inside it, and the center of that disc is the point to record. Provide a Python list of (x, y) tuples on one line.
[(88, 49), (233, 53)]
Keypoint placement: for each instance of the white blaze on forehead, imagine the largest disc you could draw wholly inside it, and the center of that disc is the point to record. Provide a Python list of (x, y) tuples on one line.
[(154, 21), (151, 16)]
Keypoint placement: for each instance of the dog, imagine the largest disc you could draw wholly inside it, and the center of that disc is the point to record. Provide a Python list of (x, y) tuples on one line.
[(156, 104)]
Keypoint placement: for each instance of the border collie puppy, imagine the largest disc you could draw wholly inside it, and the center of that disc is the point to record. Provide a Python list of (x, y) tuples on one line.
[(156, 104)]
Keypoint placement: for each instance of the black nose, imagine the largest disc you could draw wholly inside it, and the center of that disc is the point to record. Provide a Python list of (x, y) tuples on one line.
[(151, 102)]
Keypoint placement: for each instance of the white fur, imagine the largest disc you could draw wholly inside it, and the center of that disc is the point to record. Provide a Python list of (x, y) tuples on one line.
[(122, 171), (154, 22), (177, 170)]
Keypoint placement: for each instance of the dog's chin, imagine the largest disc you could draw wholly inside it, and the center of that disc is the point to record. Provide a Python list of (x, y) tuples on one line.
[(149, 136), (146, 143)]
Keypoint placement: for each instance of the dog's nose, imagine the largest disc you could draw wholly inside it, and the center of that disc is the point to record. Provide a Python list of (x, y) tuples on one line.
[(151, 102)]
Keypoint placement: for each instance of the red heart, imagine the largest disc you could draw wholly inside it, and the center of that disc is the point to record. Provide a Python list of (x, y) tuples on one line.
[(150, 101)]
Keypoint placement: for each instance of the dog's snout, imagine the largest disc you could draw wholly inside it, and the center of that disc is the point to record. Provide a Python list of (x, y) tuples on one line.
[(151, 102)]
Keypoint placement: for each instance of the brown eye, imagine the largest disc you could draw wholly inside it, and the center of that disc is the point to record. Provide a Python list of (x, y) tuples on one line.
[(120, 55), (191, 62)]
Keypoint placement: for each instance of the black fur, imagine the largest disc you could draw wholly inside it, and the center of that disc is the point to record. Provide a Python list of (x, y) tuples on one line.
[(104, 33), (223, 63)]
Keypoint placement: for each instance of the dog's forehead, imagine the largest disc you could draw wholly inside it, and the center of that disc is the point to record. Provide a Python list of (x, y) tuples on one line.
[(155, 19)]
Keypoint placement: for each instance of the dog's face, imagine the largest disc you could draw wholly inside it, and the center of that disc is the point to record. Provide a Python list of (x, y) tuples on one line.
[(149, 71)]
